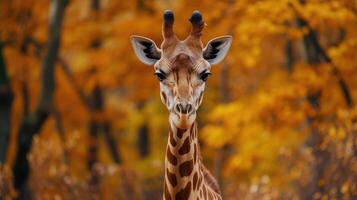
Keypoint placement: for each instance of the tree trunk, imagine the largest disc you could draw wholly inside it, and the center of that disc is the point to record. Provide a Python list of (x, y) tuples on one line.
[(143, 140), (97, 127), (224, 98), (314, 54), (311, 56), (6, 97), (106, 125), (96, 105), (224, 152), (107, 129), (33, 123), (289, 52), (143, 137)]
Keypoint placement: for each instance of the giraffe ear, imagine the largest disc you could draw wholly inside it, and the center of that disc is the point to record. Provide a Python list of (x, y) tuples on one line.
[(145, 49), (217, 49)]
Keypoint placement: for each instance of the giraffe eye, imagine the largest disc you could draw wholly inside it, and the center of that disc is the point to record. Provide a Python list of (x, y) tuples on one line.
[(161, 76), (204, 75)]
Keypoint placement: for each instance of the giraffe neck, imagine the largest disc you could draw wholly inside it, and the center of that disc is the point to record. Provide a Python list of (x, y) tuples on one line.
[(185, 175), (181, 162)]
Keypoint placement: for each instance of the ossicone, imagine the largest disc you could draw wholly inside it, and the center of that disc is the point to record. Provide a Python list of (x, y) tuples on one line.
[(197, 23), (168, 22)]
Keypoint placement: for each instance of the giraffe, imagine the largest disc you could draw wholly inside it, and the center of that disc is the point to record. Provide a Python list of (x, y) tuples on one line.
[(182, 67)]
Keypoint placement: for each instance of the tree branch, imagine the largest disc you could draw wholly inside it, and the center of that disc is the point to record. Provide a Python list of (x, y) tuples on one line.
[(32, 124), (6, 97), (67, 70), (51, 52), (323, 56)]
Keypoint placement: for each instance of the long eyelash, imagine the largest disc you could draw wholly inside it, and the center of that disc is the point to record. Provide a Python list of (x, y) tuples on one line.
[(162, 72), (160, 76), (159, 72), (204, 72)]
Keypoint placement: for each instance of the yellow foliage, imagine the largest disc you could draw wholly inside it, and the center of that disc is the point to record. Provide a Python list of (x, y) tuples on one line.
[(259, 104)]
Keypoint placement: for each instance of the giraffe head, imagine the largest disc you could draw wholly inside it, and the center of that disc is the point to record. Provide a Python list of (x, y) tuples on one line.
[(182, 66)]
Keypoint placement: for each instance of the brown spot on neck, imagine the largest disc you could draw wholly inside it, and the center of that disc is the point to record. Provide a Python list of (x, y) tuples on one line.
[(180, 132), (185, 148), (186, 168), (170, 157), (166, 192), (172, 178), (184, 194), (172, 140)]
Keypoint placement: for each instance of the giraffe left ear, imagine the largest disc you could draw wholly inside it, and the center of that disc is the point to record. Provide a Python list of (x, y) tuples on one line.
[(217, 49), (145, 49)]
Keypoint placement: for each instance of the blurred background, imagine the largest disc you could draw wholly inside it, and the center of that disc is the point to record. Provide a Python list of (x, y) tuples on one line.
[(81, 117)]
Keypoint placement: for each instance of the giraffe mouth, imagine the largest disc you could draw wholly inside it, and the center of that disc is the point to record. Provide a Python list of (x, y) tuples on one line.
[(183, 120)]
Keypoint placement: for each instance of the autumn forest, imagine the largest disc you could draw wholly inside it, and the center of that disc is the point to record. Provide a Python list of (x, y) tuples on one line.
[(81, 117)]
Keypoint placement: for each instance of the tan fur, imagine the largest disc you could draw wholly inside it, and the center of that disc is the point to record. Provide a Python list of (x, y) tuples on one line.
[(182, 70)]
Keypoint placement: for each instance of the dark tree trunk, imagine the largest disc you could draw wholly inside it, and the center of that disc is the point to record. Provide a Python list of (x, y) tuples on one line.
[(106, 126), (33, 123), (143, 137), (311, 56), (107, 129), (25, 98), (95, 5), (6, 97), (96, 105), (143, 141), (225, 96), (222, 153), (96, 127), (315, 54), (289, 52)]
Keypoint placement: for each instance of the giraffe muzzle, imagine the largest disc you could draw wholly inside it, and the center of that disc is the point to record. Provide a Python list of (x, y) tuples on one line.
[(183, 108)]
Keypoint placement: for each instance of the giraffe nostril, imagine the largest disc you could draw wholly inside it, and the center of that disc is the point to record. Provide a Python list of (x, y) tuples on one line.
[(183, 108), (178, 108)]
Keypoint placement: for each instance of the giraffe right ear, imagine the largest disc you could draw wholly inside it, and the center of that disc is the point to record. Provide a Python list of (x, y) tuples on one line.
[(145, 49)]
